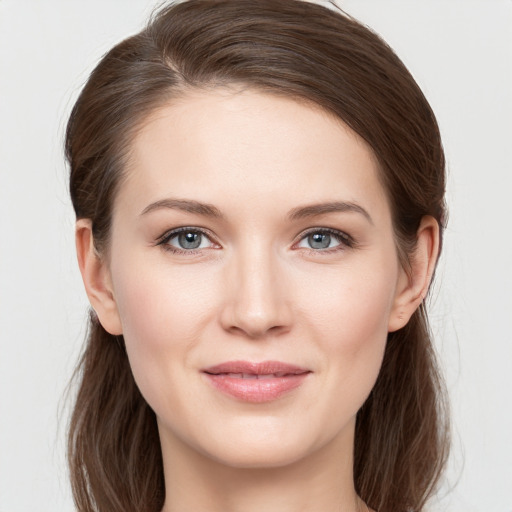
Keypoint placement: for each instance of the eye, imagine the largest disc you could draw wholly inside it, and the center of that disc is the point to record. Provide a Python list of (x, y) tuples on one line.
[(325, 239), (186, 240)]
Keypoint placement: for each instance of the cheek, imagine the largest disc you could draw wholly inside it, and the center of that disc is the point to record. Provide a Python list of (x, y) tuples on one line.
[(163, 314), (157, 302), (351, 306), (347, 314)]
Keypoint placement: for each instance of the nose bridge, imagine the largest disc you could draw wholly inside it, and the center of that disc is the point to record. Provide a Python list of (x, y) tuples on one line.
[(257, 302)]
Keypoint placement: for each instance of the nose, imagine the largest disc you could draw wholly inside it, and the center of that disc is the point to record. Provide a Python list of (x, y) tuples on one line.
[(257, 304)]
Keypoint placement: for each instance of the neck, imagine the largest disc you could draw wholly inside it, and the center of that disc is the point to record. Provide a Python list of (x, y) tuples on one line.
[(321, 481)]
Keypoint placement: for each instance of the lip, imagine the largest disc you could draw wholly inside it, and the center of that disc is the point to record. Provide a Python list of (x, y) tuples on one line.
[(256, 382)]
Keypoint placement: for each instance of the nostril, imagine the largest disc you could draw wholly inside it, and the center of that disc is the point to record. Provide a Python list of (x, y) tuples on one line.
[(258, 332)]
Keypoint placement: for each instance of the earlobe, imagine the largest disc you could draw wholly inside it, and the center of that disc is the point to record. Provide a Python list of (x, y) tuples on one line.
[(412, 286), (96, 278)]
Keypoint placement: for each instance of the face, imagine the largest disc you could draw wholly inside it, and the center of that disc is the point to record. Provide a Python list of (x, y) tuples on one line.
[(255, 276)]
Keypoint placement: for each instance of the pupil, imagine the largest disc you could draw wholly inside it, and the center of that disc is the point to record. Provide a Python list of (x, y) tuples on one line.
[(319, 240), (189, 240)]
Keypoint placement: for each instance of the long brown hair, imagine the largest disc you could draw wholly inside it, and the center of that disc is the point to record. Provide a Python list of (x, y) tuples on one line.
[(310, 53)]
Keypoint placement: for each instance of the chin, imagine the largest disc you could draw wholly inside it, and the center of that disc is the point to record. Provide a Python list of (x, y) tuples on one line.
[(260, 455), (259, 445)]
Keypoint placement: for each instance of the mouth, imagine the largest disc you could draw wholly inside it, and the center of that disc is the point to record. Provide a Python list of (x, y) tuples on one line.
[(256, 382)]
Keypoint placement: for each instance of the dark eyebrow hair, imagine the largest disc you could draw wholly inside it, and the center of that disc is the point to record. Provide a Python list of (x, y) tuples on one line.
[(186, 205), (208, 210), (331, 207)]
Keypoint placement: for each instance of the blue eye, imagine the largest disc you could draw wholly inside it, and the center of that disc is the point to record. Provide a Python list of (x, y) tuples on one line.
[(186, 240), (324, 239), (189, 240), (319, 240)]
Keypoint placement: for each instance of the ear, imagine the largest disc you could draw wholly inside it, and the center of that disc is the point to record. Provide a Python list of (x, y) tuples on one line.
[(96, 278), (413, 284)]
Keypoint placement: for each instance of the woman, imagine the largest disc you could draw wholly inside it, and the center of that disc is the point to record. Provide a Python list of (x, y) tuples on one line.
[(259, 191)]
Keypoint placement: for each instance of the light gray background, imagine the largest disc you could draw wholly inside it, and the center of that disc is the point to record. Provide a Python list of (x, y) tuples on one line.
[(460, 53)]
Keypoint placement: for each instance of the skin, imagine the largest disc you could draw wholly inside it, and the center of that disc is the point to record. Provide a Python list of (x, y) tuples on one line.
[(255, 290)]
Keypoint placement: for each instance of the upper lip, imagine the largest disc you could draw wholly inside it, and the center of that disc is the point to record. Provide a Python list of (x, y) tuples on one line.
[(262, 368)]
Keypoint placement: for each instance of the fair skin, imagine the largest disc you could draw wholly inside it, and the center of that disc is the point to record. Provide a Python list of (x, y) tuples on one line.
[(270, 280)]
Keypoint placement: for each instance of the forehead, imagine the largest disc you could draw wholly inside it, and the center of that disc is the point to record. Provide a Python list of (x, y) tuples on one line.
[(223, 144)]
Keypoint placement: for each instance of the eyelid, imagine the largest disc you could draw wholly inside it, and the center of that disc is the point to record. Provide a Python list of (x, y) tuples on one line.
[(346, 241), (171, 233)]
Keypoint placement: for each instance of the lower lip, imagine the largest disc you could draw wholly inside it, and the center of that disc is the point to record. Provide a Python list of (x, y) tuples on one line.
[(256, 390)]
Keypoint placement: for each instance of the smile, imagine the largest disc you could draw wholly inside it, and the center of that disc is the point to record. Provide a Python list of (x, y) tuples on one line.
[(256, 382)]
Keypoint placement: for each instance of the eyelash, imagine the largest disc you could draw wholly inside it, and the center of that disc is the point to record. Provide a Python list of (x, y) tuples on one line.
[(345, 240), (163, 241)]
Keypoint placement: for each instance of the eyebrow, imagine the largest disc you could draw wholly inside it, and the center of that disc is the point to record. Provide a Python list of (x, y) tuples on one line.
[(313, 210), (301, 212), (186, 205)]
